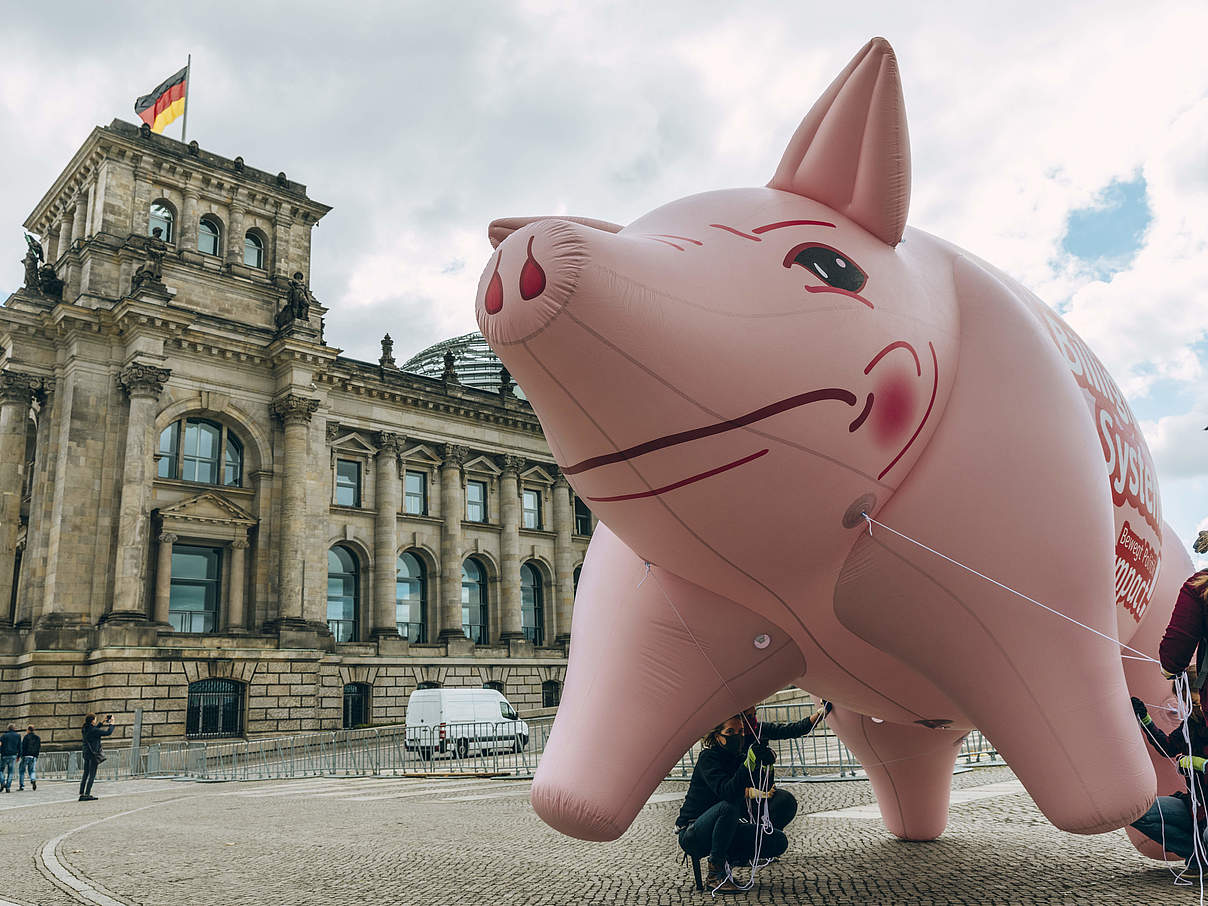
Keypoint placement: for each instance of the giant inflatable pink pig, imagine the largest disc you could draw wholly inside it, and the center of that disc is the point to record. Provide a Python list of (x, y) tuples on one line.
[(732, 382)]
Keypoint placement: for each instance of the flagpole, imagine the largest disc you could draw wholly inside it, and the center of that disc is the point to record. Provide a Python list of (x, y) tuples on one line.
[(184, 127)]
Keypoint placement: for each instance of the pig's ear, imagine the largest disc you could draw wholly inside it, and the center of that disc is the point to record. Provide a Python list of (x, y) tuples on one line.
[(852, 151), (500, 230)]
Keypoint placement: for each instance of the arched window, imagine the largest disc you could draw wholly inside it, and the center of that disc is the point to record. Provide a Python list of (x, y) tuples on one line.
[(356, 705), (532, 610), (551, 694), (163, 215), (215, 709), (209, 236), (493, 684), (343, 593), (253, 250), (194, 449), (474, 602), (411, 598)]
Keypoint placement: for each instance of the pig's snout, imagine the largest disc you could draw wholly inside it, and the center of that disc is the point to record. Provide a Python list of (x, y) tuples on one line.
[(531, 277)]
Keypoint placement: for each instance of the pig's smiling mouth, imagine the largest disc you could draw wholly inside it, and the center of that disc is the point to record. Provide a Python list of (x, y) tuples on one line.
[(756, 415)]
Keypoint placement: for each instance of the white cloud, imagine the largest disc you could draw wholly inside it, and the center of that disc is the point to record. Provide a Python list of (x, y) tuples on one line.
[(421, 123)]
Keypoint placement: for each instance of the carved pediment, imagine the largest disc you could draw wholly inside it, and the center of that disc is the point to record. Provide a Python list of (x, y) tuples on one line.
[(482, 465), (352, 442), (207, 509), (422, 454), (537, 474)]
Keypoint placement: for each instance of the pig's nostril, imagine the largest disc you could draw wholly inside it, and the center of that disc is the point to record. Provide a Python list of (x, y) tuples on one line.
[(532, 277), (493, 301)]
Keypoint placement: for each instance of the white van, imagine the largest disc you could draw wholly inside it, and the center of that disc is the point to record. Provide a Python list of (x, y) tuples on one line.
[(463, 720)]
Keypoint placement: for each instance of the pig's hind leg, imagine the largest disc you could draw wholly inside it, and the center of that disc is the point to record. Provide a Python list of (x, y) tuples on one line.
[(910, 768)]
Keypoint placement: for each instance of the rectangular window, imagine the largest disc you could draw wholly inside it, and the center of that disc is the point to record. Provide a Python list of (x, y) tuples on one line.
[(532, 508), (582, 517), (476, 501), (193, 595), (215, 709), (415, 493), (348, 482)]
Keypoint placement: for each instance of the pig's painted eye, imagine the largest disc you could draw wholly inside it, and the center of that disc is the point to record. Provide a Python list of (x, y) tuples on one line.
[(829, 265)]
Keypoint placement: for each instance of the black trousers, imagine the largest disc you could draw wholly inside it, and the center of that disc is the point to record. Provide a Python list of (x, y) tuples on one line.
[(720, 834), (90, 765)]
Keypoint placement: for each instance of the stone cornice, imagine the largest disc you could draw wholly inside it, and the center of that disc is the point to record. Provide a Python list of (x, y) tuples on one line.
[(138, 379), (294, 409), (163, 159), (135, 315), (431, 395)]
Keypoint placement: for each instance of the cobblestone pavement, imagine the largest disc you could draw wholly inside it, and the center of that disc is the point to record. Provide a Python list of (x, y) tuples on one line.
[(334, 841)]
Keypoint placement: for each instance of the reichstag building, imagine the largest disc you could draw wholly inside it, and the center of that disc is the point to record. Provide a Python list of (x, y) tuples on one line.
[(209, 514)]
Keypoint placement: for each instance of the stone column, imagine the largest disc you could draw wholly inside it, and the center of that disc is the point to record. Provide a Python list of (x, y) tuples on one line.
[(79, 222), (388, 501), (143, 384), (234, 609), (452, 509), (234, 254), (163, 578), (188, 222), (50, 243), (564, 580), (16, 394), (295, 412), (509, 550), (65, 230)]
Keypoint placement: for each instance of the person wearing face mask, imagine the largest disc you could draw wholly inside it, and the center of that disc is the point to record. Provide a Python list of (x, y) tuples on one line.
[(1170, 820), (713, 820), (783, 805)]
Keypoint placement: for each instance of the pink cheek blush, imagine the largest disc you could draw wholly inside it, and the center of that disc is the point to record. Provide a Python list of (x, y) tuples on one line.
[(893, 411)]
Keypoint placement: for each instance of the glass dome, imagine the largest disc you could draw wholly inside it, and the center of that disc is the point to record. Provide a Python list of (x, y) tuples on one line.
[(474, 363)]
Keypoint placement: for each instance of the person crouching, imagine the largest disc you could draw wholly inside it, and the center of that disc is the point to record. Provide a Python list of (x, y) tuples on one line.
[(714, 821)]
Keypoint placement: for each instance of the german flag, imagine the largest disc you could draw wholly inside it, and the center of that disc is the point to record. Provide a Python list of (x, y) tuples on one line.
[(165, 103)]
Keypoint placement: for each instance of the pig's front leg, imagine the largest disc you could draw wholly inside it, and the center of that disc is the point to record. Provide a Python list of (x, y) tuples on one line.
[(655, 663)]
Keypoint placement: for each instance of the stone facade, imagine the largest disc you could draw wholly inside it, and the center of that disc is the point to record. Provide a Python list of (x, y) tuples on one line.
[(175, 404)]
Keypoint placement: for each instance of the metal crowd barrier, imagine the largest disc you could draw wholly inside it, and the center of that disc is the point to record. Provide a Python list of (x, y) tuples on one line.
[(469, 748)]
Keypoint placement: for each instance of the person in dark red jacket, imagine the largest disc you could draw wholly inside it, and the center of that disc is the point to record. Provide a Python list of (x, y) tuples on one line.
[(1188, 626)]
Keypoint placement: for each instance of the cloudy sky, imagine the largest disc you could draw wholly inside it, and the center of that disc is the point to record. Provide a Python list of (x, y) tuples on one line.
[(1065, 142)]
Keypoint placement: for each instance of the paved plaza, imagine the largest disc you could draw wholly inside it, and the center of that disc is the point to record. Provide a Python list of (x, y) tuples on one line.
[(444, 841)]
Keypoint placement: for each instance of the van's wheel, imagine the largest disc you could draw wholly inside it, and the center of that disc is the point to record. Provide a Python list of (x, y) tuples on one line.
[(462, 749), (520, 744), (425, 753)]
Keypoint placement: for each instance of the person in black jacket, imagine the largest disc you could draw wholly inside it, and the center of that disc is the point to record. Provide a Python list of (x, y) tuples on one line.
[(10, 749), (782, 808), (1170, 821), (92, 752), (31, 748), (713, 820)]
